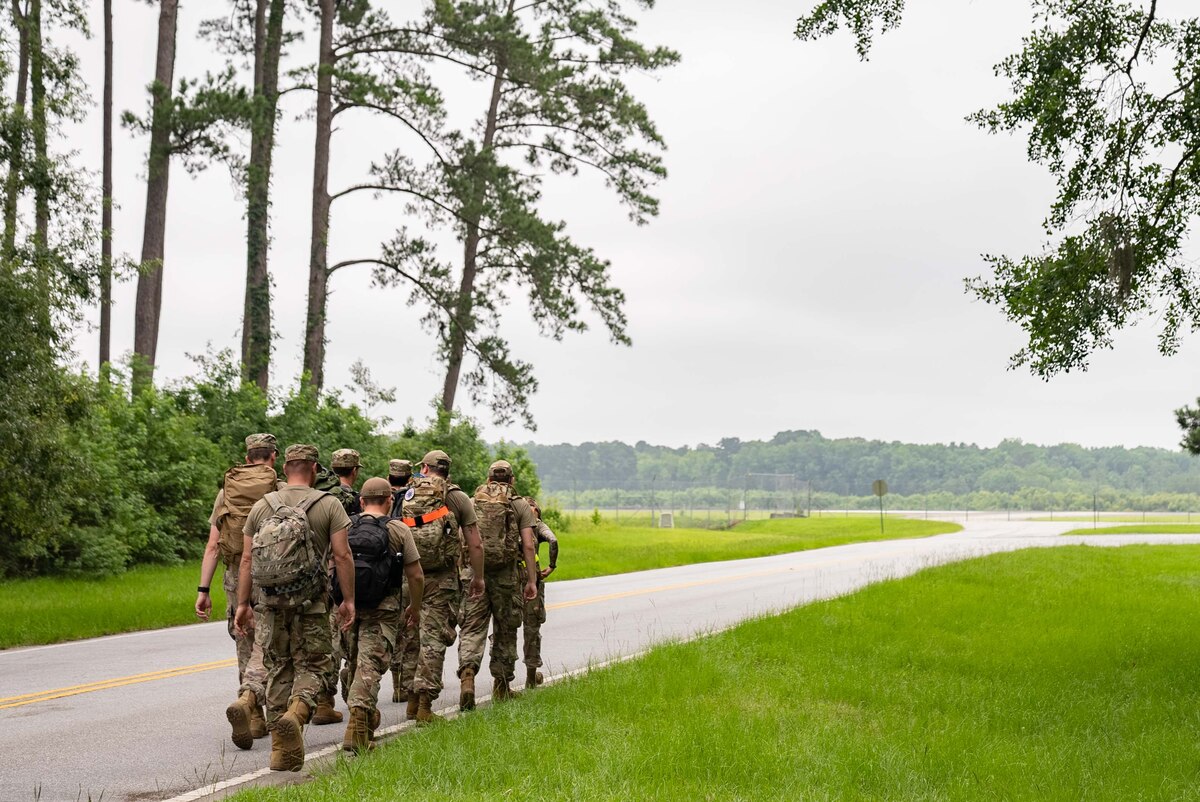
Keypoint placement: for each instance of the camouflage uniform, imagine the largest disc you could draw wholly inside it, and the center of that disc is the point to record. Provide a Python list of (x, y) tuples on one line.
[(348, 497), (404, 656), (252, 674), (501, 605), (371, 641), (439, 621), (295, 643), (407, 651), (296, 651), (535, 609)]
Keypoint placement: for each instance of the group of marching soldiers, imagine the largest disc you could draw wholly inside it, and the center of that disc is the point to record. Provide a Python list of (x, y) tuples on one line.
[(326, 584)]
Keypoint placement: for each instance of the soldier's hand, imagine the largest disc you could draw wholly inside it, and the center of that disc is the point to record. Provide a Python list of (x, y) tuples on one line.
[(547, 572), (346, 615), (412, 618), (475, 589), (243, 620), (530, 591), (203, 606)]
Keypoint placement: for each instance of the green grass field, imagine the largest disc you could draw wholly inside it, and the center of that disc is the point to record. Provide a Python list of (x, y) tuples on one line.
[(588, 550), (52, 609), (1123, 517), (1063, 674), (1140, 529)]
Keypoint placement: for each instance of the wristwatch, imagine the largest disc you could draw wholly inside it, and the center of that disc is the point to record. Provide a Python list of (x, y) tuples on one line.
[(201, 589)]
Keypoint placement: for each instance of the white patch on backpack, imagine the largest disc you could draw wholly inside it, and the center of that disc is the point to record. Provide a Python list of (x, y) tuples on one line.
[(409, 495)]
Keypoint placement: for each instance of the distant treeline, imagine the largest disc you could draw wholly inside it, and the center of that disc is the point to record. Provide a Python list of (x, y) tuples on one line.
[(1011, 473)]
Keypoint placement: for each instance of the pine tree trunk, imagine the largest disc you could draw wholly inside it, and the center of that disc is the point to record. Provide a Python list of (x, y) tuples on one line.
[(256, 315), (318, 266), (16, 144), (41, 156), (464, 307), (106, 192), (148, 310)]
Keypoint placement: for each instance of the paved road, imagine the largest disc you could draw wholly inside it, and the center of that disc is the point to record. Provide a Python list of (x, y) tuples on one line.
[(141, 716)]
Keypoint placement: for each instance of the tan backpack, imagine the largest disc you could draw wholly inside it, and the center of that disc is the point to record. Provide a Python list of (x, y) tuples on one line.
[(434, 528), (244, 486), (497, 525)]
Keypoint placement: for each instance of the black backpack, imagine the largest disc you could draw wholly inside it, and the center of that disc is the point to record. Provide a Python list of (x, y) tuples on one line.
[(374, 562)]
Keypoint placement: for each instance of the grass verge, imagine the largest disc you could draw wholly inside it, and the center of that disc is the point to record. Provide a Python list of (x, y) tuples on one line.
[(50, 610), (588, 550), (53, 609), (1070, 673), (1140, 529)]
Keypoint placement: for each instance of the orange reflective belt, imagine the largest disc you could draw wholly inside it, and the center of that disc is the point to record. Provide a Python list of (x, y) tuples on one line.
[(429, 517)]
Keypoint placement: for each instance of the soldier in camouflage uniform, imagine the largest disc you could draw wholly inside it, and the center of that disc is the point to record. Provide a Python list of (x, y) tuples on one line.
[(404, 656), (535, 610), (373, 638), (443, 596), (500, 605), (346, 465), (245, 715), (295, 641)]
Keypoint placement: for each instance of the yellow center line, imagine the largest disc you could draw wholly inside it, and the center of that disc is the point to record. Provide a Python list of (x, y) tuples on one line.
[(170, 673), (118, 682)]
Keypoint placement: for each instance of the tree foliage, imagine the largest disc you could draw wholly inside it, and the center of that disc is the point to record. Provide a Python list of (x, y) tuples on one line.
[(558, 104), (1107, 94)]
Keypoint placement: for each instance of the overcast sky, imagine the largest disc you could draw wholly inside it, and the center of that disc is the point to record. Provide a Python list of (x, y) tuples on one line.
[(805, 272)]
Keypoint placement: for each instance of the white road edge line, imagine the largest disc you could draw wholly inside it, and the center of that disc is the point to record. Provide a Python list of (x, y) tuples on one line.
[(397, 729)]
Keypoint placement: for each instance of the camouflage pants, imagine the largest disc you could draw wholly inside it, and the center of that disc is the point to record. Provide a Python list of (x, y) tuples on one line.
[(296, 652), (337, 658), (408, 646), (501, 605), (369, 645), (439, 619), (252, 675), (535, 616)]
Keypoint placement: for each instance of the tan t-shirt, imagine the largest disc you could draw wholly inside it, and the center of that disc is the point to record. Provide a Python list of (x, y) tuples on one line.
[(401, 540), (325, 517), (462, 506), (214, 519), (525, 517)]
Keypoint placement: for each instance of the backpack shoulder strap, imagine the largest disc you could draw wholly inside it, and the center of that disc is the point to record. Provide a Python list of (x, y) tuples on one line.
[(310, 500), (274, 501)]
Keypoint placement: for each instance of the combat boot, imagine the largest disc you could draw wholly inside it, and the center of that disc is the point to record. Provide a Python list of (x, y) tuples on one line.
[(326, 714), (411, 712), (373, 724), (533, 677), (358, 735), (240, 715), (288, 738), (466, 697), (425, 709), (258, 723), (503, 691), (398, 693)]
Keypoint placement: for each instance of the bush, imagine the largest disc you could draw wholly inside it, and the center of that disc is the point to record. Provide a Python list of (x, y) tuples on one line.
[(109, 481)]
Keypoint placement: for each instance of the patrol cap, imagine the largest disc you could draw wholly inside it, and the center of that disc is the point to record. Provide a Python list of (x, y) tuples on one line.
[(345, 458), (399, 467), (262, 440), (375, 488), (435, 457), (500, 468), (300, 451)]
